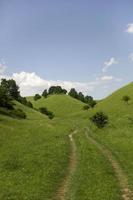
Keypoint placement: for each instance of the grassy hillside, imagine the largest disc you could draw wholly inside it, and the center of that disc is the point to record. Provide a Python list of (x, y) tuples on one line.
[(118, 135), (70, 112), (35, 152), (61, 105), (33, 156)]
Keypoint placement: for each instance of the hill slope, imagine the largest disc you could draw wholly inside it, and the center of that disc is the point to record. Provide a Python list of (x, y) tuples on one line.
[(61, 105), (118, 135), (35, 153), (31, 165)]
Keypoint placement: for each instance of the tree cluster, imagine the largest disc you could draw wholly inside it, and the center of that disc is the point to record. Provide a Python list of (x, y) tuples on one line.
[(86, 99), (45, 111), (9, 91), (56, 90), (99, 119)]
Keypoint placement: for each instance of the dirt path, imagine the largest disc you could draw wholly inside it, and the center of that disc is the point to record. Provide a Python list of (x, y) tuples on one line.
[(61, 193), (127, 194)]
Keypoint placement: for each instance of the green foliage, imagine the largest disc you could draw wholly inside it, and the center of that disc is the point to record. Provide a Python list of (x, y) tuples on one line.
[(36, 97), (73, 93), (92, 103), (45, 94), (19, 113), (24, 101), (85, 99), (86, 107), (81, 97), (126, 98), (88, 99), (99, 119), (14, 113), (11, 88), (56, 90), (44, 110), (5, 100), (29, 104)]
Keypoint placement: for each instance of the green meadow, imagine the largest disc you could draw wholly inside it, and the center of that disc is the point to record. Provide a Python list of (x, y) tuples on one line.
[(36, 152)]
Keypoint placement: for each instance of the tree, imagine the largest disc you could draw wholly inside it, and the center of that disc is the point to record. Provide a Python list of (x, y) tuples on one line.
[(81, 96), (11, 88), (56, 90), (126, 98), (5, 100), (29, 104), (88, 99), (36, 97), (44, 110), (45, 94), (86, 107), (64, 91), (73, 93), (99, 119), (92, 103)]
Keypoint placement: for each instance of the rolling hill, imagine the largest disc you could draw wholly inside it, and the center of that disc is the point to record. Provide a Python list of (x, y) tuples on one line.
[(68, 157)]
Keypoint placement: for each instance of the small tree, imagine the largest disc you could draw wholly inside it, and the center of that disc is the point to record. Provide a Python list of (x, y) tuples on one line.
[(44, 110), (11, 88), (81, 97), (86, 107), (37, 96), (29, 104), (92, 103), (99, 119), (5, 99), (126, 98), (73, 93), (45, 94)]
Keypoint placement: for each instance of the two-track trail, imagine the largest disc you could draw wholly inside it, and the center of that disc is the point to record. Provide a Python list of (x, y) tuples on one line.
[(62, 190), (127, 194)]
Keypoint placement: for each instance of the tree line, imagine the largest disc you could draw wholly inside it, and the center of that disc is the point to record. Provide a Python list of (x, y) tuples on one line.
[(73, 93)]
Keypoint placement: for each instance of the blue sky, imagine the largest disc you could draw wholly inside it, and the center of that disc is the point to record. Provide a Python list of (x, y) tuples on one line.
[(44, 42)]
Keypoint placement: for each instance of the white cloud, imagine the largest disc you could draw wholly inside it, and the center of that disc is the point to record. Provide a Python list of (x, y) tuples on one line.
[(129, 28), (107, 78), (2, 68), (107, 64), (31, 83), (131, 57)]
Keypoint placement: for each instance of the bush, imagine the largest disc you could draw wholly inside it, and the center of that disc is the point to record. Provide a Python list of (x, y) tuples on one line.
[(86, 107), (126, 98), (36, 97), (5, 99), (18, 113), (29, 104), (44, 110), (99, 119)]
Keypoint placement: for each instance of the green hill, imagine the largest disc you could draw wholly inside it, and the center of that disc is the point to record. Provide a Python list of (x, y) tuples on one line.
[(36, 154), (61, 105), (118, 135)]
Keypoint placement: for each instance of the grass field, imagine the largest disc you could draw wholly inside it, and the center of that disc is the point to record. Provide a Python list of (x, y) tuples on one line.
[(35, 152)]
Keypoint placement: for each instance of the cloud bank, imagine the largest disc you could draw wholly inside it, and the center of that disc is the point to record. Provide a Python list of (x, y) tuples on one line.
[(31, 83), (129, 28)]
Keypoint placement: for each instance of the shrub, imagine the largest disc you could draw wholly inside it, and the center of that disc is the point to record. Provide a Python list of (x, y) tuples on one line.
[(92, 103), (99, 119), (45, 94), (44, 110), (5, 99), (37, 96), (29, 104), (86, 107), (18, 113), (126, 98)]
